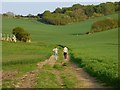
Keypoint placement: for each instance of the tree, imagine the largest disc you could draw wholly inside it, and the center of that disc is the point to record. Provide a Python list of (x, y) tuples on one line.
[(117, 6), (58, 10), (69, 13), (78, 15), (89, 10), (106, 8), (76, 6), (18, 16), (98, 9), (9, 14), (40, 15), (4, 14), (21, 34), (46, 13), (30, 15), (57, 19), (110, 8)]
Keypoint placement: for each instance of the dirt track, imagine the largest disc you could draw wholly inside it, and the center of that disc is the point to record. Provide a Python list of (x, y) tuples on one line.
[(84, 80)]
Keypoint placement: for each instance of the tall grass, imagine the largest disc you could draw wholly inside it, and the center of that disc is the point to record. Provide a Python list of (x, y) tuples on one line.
[(24, 53)]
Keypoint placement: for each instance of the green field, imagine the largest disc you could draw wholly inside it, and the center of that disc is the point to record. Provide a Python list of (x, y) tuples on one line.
[(97, 53)]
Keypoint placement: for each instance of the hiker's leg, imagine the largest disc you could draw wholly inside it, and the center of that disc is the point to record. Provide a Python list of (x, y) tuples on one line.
[(56, 56), (64, 55)]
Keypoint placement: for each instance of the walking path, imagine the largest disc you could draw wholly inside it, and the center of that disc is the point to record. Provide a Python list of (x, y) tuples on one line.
[(84, 80)]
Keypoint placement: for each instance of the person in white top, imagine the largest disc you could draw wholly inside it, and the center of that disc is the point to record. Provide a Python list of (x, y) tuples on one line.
[(65, 52), (55, 50)]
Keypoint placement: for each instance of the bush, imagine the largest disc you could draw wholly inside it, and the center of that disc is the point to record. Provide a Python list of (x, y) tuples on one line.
[(57, 19), (21, 34), (103, 25), (97, 15)]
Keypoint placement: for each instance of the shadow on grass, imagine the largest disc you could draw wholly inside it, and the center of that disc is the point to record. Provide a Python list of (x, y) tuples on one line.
[(44, 22), (77, 61)]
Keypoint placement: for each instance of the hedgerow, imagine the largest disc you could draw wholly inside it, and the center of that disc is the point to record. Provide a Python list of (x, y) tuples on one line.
[(104, 25)]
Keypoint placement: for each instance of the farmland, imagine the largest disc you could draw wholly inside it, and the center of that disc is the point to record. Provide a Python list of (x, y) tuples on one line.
[(97, 53)]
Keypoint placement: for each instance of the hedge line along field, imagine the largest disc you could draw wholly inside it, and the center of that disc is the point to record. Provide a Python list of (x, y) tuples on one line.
[(97, 53)]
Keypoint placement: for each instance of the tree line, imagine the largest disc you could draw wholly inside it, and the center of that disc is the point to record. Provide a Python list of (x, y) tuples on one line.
[(78, 12), (75, 13)]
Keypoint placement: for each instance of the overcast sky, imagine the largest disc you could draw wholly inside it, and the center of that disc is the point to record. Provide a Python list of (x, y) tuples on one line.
[(25, 7)]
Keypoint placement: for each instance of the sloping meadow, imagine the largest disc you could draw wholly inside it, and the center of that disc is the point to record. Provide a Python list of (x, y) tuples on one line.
[(97, 53)]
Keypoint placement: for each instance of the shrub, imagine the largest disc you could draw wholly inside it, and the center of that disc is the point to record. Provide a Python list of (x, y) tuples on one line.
[(97, 15), (21, 34), (103, 25), (57, 19)]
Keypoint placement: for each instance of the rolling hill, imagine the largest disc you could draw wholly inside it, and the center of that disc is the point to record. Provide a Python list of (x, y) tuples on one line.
[(97, 53)]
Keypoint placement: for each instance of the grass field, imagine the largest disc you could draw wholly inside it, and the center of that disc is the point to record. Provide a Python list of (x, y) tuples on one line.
[(97, 53), (100, 58), (20, 58)]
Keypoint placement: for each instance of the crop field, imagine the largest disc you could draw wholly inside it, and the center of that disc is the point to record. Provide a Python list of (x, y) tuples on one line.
[(100, 58), (20, 58), (97, 53)]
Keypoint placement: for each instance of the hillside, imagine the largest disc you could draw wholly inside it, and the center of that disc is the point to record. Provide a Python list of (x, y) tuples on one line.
[(42, 30), (78, 12), (97, 53)]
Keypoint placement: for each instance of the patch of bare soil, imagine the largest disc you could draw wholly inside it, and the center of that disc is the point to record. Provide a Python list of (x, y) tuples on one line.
[(29, 79), (86, 80), (9, 74), (51, 61)]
